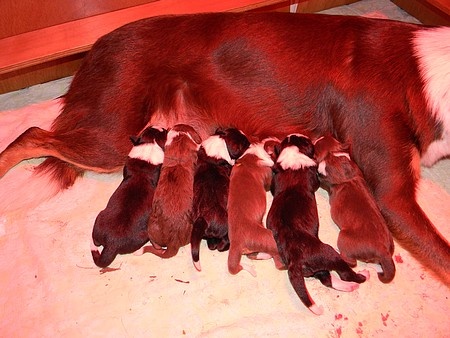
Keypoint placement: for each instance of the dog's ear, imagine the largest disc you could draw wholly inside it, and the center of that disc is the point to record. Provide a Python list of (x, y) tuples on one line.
[(135, 140), (195, 136)]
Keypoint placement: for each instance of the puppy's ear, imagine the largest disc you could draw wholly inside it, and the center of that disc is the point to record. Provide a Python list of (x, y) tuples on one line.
[(195, 136), (273, 148), (220, 131), (135, 140), (162, 138)]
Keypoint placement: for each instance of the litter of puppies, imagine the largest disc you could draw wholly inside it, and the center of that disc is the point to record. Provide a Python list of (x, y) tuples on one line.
[(215, 190)]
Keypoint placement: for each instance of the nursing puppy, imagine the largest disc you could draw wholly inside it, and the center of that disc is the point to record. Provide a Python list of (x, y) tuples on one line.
[(364, 234), (121, 228), (211, 184), (294, 222), (170, 221), (151, 72), (249, 181)]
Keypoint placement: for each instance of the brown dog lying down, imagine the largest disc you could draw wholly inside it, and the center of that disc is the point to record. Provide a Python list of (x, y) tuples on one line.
[(121, 228), (211, 184), (364, 235), (170, 222), (294, 221), (236, 73), (249, 181)]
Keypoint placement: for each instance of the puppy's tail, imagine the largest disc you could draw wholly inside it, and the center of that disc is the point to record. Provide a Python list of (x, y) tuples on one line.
[(23, 189), (105, 257), (388, 266), (198, 231), (298, 283)]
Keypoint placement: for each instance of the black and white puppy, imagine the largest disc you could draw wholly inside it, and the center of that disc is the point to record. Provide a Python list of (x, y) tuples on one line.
[(293, 219), (121, 228), (211, 184)]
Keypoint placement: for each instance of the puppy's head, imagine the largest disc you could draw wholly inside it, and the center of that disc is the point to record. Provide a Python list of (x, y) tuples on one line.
[(236, 141), (296, 152), (149, 145), (183, 129), (256, 151), (328, 144), (337, 168)]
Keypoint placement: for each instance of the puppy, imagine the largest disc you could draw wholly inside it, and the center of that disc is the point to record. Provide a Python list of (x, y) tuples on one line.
[(211, 183), (121, 228), (249, 181), (294, 222), (364, 234), (170, 222)]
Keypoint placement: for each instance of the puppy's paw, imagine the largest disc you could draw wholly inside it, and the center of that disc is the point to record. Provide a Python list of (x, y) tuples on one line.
[(249, 268), (317, 310), (339, 284)]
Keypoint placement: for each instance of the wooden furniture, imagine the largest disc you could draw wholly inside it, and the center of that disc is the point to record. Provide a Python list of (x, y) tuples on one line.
[(429, 12)]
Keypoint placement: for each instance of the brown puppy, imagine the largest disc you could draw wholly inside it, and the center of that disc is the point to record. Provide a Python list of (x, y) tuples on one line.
[(170, 222), (121, 228), (294, 221), (249, 181), (238, 73), (211, 184), (364, 234)]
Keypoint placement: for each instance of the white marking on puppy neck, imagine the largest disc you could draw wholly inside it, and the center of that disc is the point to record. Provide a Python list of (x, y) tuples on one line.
[(149, 152), (216, 147), (291, 158), (432, 48), (258, 150)]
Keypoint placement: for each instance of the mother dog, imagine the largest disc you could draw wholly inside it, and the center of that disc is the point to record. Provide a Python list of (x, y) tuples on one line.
[(382, 86)]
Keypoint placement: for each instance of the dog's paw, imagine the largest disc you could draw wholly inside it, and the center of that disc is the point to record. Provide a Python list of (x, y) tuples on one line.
[(317, 310), (340, 285)]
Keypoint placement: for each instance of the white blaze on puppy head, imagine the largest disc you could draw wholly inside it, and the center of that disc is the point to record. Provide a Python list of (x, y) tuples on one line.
[(291, 158), (216, 147), (173, 133), (258, 150), (149, 152)]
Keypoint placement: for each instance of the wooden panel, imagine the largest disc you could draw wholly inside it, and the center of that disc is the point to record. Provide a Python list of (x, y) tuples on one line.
[(429, 12), (27, 15)]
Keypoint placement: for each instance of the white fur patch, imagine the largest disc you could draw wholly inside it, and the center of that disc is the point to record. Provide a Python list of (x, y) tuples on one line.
[(321, 168), (149, 152), (291, 158), (173, 133), (432, 48), (341, 154), (258, 150), (216, 147)]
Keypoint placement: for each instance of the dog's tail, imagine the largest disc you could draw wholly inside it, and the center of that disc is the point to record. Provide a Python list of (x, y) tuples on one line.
[(388, 266), (198, 231), (105, 257), (298, 283)]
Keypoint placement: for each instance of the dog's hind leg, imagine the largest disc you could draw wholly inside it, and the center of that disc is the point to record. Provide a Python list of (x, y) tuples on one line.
[(198, 231)]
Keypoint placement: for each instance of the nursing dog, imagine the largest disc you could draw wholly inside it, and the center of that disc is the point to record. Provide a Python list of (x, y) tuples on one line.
[(267, 74), (363, 232), (170, 221), (121, 228), (250, 179), (294, 221), (211, 184)]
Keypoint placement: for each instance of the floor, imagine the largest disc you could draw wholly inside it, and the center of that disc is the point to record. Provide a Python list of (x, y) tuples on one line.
[(52, 288)]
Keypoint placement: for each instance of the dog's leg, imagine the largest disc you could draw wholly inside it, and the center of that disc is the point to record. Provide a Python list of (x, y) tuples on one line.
[(198, 231)]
